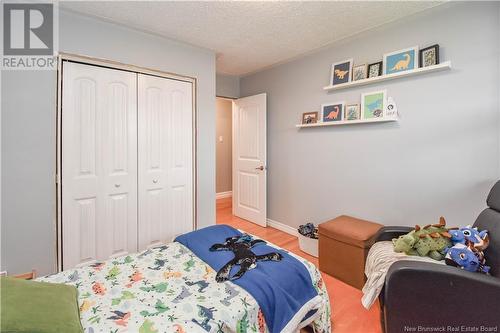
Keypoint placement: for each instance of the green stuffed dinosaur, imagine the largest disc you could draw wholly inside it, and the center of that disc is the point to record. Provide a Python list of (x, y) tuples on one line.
[(430, 240)]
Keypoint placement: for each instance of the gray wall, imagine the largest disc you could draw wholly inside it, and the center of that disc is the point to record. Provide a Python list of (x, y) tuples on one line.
[(441, 158), (224, 129), (28, 132), (228, 86)]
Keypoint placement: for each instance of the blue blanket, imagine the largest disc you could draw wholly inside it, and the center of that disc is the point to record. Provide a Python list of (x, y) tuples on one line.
[(280, 288)]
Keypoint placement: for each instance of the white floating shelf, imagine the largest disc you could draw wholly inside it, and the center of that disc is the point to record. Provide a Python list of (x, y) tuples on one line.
[(422, 70), (349, 122)]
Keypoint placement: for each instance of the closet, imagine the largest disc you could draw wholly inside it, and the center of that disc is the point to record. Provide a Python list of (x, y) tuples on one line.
[(126, 154)]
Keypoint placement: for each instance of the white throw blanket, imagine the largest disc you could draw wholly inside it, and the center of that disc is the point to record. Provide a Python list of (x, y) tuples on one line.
[(380, 257)]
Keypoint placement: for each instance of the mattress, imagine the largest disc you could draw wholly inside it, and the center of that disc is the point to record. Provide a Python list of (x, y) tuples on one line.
[(169, 289)]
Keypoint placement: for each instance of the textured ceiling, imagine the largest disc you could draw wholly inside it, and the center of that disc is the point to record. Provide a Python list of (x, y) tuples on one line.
[(250, 36)]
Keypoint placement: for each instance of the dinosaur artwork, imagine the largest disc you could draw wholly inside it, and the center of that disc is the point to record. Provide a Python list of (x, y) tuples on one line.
[(125, 296), (99, 288), (183, 294), (159, 264), (120, 318), (86, 305), (97, 266), (402, 64), (159, 288), (340, 74), (243, 256), (431, 240), (160, 308), (112, 273), (207, 314), (231, 293), (144, 254), (208, 271), (147, 327), (375, 108), (333, 114), (170, 275), (202, 285), (126, 260), (188, 265), (134, 277), (162, 248), (73, 277)]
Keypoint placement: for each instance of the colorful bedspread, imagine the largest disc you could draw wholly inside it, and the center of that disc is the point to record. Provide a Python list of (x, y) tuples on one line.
[(283, 289), (169, 289)]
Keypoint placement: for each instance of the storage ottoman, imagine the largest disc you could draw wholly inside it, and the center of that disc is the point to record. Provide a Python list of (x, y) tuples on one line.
[(343, 246)]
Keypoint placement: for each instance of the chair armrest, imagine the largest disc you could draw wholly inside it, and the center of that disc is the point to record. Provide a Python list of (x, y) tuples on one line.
[(421, 294), (389, 232)]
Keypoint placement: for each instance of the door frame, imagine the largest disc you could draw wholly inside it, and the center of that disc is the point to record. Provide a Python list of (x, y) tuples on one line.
[(99, 62)]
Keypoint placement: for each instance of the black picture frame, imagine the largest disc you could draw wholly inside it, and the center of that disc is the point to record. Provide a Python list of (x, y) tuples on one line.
[(380, 69), (421, 55)]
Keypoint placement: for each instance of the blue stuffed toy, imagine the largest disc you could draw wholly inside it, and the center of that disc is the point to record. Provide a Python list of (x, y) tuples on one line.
[(478, 238), (467, 258), (467, 250)]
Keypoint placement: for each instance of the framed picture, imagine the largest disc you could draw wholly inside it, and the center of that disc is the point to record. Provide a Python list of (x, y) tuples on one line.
[(332, 112), (400, 61), (373, 104), (352, 112), (375, 69), (359, 72), (429, 56), (309, 117), (341, 72)]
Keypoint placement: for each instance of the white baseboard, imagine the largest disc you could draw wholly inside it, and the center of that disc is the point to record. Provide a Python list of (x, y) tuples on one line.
[(221, 195), (283, 227)]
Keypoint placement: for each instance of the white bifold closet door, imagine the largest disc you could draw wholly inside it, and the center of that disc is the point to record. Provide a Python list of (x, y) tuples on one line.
[(99, 164), (165, 168)]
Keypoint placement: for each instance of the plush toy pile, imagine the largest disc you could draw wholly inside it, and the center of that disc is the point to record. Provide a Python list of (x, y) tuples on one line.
[(460, 247), (430, 240)]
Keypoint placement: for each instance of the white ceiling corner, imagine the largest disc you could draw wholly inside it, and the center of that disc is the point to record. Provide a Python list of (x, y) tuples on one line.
[(249, 36)]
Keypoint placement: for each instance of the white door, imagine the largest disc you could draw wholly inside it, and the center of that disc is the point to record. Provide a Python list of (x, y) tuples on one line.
[(165, 114), (249, 159), (99, 164)]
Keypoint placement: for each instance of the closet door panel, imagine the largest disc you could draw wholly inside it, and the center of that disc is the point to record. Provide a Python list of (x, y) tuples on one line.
[(120, 163), (165, 159), (99, 173)]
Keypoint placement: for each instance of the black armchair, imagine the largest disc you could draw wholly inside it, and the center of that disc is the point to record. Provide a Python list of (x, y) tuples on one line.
[(420, 295)]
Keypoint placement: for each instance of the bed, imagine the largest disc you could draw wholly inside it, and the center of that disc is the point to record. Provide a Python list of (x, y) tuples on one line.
[(170, 289)]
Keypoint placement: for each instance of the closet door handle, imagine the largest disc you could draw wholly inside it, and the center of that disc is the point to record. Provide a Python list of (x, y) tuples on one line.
[(117, 185), (155, 181)]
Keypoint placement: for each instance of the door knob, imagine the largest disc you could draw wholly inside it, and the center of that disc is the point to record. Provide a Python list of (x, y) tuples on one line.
[(117, 185), (261, 168), (155, 181)]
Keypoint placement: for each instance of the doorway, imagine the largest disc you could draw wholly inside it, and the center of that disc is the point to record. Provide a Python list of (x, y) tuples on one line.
[(223, 148), (241, 160)]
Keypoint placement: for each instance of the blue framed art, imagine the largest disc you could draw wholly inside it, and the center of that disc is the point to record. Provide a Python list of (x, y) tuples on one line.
[(341, 72), (400, 61), (332, 112)]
